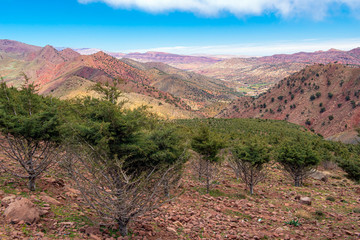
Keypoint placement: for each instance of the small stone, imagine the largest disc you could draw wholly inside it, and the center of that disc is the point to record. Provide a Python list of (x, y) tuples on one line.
[(170, 229), (305, 200), (50, 200), (94, 237), (319, 176)]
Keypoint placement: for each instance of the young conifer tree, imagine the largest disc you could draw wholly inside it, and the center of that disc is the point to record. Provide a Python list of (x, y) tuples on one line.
[(298, 159), (248, 161), (121, 161), (29, 124), (208, 146)]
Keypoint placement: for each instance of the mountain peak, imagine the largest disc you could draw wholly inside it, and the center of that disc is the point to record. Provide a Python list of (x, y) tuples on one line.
[(69, 54), (49, 47), (100, 54), (50, 54)]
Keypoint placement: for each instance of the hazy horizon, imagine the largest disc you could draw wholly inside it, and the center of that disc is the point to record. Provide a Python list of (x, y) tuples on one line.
[(190, 27)]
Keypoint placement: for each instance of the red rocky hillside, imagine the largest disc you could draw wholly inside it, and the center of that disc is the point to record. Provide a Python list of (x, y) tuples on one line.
[(324, 98)]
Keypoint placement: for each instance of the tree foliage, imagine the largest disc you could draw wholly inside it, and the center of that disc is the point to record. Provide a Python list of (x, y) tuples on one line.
[(30, 126), (208, 146), (298, 159), (248, 160), (123, 161)]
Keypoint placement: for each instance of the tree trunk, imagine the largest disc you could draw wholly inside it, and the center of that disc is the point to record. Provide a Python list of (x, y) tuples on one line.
[(201, 166), (32, 183), (207, 177), (123, 227), (166, 188), (297, 181), (251, 189)]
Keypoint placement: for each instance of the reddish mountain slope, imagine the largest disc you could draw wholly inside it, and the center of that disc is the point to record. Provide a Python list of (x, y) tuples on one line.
[(53, 69), (271, 69), (322, 98), (333, 55), (14, 47)]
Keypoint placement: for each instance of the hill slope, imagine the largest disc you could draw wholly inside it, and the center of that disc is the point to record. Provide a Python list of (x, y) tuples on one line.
[(271, 69), (62, 73), (322, 98), (184, 62)]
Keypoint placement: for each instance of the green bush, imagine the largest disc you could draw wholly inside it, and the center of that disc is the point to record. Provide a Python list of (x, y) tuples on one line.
[(330, 198), (351, 167)]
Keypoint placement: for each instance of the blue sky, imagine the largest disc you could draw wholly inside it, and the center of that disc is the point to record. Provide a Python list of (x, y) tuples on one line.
[(241, 27)]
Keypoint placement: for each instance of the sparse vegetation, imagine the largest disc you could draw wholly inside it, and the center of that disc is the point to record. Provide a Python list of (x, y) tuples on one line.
[(298, 160), (248, 160), (208, 145), (30, 125)]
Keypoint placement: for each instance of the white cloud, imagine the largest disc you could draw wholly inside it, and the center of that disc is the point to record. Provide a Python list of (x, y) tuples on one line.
[(317, 9), (263, 49)]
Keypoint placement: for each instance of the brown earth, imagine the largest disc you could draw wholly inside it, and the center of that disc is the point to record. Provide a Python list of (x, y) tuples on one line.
[(228, 212), (324, 98)]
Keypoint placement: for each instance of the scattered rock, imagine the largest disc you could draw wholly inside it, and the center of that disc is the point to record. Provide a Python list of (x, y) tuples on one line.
[(71, 192), (55, 182), (92, 236), (91, 230), (305, 200), (319, 176), (50, 200), (7, 200), (22, 210), (170, 229)]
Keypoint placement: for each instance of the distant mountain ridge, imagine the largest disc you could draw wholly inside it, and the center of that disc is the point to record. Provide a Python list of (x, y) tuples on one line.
[(271, 69), (61, 72)]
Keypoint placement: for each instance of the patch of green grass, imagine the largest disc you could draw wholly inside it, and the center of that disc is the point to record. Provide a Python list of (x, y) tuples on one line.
[(319, 215), (356, 210), (25, 230), (236, 213), (66, 214), (217, 193), (294, 222), (113, 232), (330, 198)]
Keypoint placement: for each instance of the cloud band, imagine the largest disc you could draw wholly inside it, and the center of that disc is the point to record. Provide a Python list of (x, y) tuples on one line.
[(317, 9)]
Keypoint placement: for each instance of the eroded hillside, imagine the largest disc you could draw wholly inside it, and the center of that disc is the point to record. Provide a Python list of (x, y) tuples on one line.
[(324, 98)]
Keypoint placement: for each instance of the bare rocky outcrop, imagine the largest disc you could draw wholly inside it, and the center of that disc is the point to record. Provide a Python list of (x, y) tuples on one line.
[(305, 200), (22, 210), (49, 200), (318, 175)]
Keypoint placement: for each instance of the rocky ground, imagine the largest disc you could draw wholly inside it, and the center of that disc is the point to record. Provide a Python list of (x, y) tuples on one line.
[(325, 208)]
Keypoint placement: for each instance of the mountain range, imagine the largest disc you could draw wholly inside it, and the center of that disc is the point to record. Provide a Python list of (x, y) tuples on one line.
[(66, 73), (319, 90), (248, 74)]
